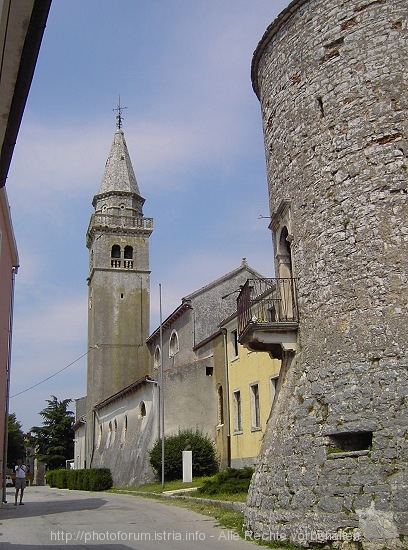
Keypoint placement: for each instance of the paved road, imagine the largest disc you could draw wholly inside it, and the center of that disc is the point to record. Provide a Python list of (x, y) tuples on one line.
[(56, 518)]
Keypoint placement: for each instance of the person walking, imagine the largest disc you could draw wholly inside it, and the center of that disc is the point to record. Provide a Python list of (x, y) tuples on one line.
[(20, 481)]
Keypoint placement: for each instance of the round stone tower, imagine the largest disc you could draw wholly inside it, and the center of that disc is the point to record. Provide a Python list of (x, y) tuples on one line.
[(331, 77)]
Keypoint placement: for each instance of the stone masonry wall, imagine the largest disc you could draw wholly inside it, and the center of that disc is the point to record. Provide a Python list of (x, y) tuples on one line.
[(331, 77)]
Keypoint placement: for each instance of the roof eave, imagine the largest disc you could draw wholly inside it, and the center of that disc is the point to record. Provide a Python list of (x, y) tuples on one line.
[(24, 78)]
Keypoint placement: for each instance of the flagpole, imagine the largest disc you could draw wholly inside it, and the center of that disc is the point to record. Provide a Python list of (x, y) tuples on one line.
[(161, 388)]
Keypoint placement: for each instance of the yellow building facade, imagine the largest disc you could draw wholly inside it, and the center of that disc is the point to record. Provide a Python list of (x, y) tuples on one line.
[(252, 378)]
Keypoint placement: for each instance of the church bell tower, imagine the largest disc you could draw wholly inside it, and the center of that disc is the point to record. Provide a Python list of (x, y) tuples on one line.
[(118, 281)]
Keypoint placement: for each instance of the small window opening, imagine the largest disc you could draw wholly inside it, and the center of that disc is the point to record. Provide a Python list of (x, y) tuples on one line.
[(99, 436), (125, 426), (142, 409), (255, 409), (209, 371), (128, 254), (109, 438), (128, 257), (234, 343), (115, 251), (115, 256), (237, 411), (121, 295), (157, 358), (350, 441), (173, 345), (220, 406)]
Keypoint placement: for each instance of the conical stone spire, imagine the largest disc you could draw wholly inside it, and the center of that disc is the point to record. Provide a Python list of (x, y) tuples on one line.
[(119, 175), (118, 202)]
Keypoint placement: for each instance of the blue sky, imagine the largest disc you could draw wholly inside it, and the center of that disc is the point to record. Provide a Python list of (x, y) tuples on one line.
[(193, 130)]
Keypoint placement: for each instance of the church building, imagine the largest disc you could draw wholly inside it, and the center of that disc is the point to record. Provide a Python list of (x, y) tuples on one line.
[(118, 422)]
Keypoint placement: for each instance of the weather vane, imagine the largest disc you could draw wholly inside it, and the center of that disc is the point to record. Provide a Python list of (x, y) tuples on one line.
[(119, 116)]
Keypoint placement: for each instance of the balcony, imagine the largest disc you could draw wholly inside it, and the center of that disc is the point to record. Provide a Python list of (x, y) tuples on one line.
[(268, 316)]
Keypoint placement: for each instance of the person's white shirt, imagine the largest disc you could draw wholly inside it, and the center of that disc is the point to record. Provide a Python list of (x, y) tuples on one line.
[(20, 471)]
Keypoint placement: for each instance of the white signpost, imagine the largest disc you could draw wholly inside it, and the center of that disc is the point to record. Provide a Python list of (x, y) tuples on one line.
[(187, 466)]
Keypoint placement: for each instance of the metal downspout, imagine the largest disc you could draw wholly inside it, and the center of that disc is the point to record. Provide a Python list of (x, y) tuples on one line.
[(10, 338), (224, 333)]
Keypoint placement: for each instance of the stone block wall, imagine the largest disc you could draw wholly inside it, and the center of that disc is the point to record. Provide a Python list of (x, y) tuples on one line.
[(332, 82)]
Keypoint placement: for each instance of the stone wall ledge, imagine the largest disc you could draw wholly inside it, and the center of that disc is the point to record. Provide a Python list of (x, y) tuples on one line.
[(348, 454)]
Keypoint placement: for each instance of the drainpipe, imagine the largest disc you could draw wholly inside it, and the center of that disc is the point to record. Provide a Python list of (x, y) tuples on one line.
[(161, 389), (10, 334), (228, 423), (95, 417)]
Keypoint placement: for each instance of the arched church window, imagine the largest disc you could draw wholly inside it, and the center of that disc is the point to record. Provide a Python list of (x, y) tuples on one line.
[(128, 257), (109, 438), (115, 251), (115, 256), (125, 427), (142, 409), (220, 406), (157, 358), (99, 436), (173, 344)]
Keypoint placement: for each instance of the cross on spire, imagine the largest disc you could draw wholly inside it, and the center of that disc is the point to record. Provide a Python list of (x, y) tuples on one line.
[(119, 117)]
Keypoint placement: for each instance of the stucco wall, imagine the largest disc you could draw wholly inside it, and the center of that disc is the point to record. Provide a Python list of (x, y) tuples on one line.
[(124, 435), (190, 399), (331, 79), (183, 327), (8, 260), (127, 435)]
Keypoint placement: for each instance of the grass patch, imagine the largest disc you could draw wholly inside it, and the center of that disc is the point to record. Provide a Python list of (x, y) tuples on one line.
[(228, 481)]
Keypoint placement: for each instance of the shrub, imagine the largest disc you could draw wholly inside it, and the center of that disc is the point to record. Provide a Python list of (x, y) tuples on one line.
[(202, 447), (94, 479), (228, 481)]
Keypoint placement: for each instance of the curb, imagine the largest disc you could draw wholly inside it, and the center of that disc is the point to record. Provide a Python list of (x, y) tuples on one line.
[(178, 495)]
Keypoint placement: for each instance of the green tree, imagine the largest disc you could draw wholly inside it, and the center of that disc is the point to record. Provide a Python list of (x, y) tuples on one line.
[(54, 439), (15, 441)]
